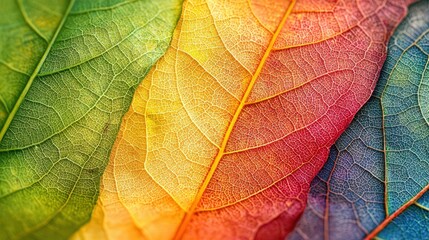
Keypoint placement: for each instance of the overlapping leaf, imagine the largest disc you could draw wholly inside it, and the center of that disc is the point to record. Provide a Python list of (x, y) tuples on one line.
[(68, 71), (377, 174), (225, 134)]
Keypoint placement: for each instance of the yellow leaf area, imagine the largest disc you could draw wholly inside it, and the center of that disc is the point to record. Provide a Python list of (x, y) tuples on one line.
[(227, 131)]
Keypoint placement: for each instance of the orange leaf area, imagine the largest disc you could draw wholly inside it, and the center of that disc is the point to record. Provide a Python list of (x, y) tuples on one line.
[(227, 131)]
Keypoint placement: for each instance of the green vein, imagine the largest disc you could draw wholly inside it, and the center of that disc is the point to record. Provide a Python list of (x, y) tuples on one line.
[(35, 73)]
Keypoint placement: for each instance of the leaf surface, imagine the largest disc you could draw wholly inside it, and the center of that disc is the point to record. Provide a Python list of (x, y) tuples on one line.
[(68, 72), (375, 180), (225, 134), (29, 28)]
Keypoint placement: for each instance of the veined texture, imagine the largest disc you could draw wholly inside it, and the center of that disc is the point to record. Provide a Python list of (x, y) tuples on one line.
[(376, 179), (68, 70), (226, 132)]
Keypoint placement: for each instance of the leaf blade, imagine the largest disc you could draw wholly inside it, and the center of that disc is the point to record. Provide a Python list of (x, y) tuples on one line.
[(56, 148), (180, 114), (387, 140), (11, 100)]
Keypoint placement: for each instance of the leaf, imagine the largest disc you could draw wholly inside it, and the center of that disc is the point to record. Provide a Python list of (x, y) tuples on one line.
[(378, 171), (68, 73), (226, 132), (28, 29)]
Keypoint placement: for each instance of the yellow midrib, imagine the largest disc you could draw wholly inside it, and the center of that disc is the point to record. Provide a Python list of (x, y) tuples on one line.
[(186, 219)]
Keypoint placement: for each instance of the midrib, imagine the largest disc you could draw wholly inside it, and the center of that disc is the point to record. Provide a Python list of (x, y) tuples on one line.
[(391, 217), (186, 219), (35, 73)]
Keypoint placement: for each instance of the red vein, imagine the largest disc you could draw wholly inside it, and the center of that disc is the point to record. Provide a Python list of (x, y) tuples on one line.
[(328, 191), (390, 218)]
